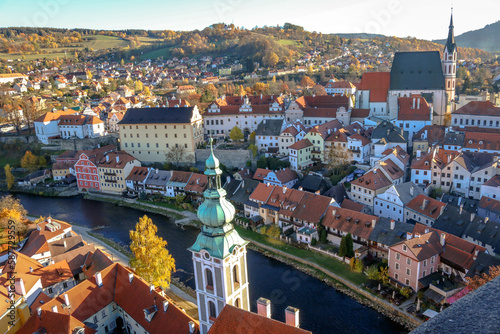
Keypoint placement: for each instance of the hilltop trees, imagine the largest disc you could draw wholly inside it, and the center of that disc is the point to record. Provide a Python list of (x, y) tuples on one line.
[(151, 259)]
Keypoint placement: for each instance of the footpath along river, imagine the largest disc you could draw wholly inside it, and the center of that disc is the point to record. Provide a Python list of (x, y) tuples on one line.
[(322, 308)]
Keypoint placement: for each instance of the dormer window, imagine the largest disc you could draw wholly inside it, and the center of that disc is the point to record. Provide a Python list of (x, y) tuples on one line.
[(405, 248)]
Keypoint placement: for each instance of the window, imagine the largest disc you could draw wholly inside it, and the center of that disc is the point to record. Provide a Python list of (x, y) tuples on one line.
[(408, 271), (397, 266), (236, 277), (398, 256), (407, 281), (396, 276), (65, 285), (408, 261), (50, 289), (211, 309), (209, 279), (425, 263), (405, 248), (103, 313)]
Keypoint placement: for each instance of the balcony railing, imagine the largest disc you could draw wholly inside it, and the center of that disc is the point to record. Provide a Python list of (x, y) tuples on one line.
[(110, 174)]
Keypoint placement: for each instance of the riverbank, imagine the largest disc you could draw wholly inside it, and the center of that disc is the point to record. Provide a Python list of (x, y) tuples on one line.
[(44, 191)]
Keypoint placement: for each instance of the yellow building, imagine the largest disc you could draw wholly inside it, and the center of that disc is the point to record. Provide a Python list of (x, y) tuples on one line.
[(13, 312), (113, 169), (149, 134)]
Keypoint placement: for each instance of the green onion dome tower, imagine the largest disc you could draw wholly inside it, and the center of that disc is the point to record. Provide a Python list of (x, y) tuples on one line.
[(219, 253)]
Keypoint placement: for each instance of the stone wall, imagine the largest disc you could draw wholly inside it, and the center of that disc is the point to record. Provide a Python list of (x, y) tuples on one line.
[(81, 144), (230, 158), (24, 139)]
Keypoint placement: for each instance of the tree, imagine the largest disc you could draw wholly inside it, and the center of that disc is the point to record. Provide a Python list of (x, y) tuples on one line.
[(349, 245), (175, 155), (405, 292), (254, 149), (359, 266), (270, 59), (319, 90), (352, 263), (251, 138), (236, 134), (9, 178), (29, 161), (138, 86), (372, 272), (475, 282), (306, 82), (273, 231), (383, 275), (343, 247), (151, 260), (337, 158), (11, 209)]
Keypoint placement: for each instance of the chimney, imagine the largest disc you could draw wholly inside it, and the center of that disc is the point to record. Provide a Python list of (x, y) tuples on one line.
[(461, 208), (393, 224), (228, 179), (374, 221), (20, 288), (64, 243), (191, 327), (130, 277), (52, 262), (408, 236), (476, 253), (413, 103), (486, 219), (165, 305), (443, 239), (284, 189), (375, 171), (49, 220), (66, 300), (31, 269), (39, 311), (301, 189), (411, 191), (419, 153), (264, 307), (156, 171), (98, 278), (151, 288), (472, 216), (317, 192), (292, 316), (107, 158), (418, 103), (424, 204), (426, 230), (54, 308), (117, 159)]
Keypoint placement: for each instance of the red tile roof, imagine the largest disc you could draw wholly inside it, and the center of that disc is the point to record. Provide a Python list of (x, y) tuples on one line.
[(350, 221), (482, 141), (233, 320), (138, 174), (373, 180), (493, 182), (422, 247), (116, 160), (301, 144), (426, 206), (413, 108), (260, 174), (476, 108), (53, 322), (351, 205), (197, 183), (378, 84)]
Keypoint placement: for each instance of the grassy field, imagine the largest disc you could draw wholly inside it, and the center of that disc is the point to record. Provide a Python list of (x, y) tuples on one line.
[(324, 261), (98, 42), (288, 42), (165, 53), (37, 56)]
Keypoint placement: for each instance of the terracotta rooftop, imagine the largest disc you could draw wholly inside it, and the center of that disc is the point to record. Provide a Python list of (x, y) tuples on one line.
[(426, 206), (479, 108), (260, 174), (373, 180), (233, 320), (301, 144)]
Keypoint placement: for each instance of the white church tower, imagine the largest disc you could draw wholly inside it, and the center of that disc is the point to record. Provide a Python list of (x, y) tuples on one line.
[(219, 253), (450, 64)]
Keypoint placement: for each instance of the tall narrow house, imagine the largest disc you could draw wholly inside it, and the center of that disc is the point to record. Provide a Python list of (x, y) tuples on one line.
[(219, 253)]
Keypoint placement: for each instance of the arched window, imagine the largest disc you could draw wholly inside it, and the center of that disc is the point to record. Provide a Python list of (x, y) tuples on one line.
[(212, 313), (209, 279), (237, 303), (236, 276)]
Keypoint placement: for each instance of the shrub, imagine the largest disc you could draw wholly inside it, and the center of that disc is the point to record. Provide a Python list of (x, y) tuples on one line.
[(405, 292), (372, 272)]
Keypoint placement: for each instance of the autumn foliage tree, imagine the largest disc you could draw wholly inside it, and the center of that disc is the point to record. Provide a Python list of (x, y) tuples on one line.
[(270, 59), (306, 82), (11, 209), (29, 161), (236, 134), (475, 282), (151, 259), (9, 178)]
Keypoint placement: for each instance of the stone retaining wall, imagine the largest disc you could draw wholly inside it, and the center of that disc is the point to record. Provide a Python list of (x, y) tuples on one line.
[(230, 158)]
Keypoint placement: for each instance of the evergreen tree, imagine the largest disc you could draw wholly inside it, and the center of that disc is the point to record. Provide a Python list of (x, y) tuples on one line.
[(343, 247), (349, 245)]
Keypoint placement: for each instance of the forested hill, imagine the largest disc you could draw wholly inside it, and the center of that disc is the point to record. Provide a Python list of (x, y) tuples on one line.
[(487, 38), (288, 42)]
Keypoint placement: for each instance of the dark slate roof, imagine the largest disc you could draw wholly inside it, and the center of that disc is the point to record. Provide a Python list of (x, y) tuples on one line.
[(482, 264), (417, 70), (454, 138), (485, 232), (337, 192), (469, 205), (453, 221), (239, 191), (383, 234), (404, 191), (474, 313), (159, 178), (158, 115), (269, 127), (450, 42), (312, 183), (389, 132)]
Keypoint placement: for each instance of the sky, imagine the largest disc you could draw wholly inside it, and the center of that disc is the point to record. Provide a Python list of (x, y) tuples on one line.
[(426, 19)]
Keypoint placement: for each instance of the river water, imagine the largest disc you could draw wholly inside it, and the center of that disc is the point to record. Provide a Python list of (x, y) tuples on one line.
[(322, 309)]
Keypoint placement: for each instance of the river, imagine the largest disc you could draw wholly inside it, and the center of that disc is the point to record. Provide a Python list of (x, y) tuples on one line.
[(322, 309)]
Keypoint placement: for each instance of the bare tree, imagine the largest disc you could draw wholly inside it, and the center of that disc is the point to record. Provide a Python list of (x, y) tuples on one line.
[(175, 155), (337, 157)]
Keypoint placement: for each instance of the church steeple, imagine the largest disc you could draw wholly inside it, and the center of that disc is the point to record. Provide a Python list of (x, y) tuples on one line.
[(219, 253), (450, 42)]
